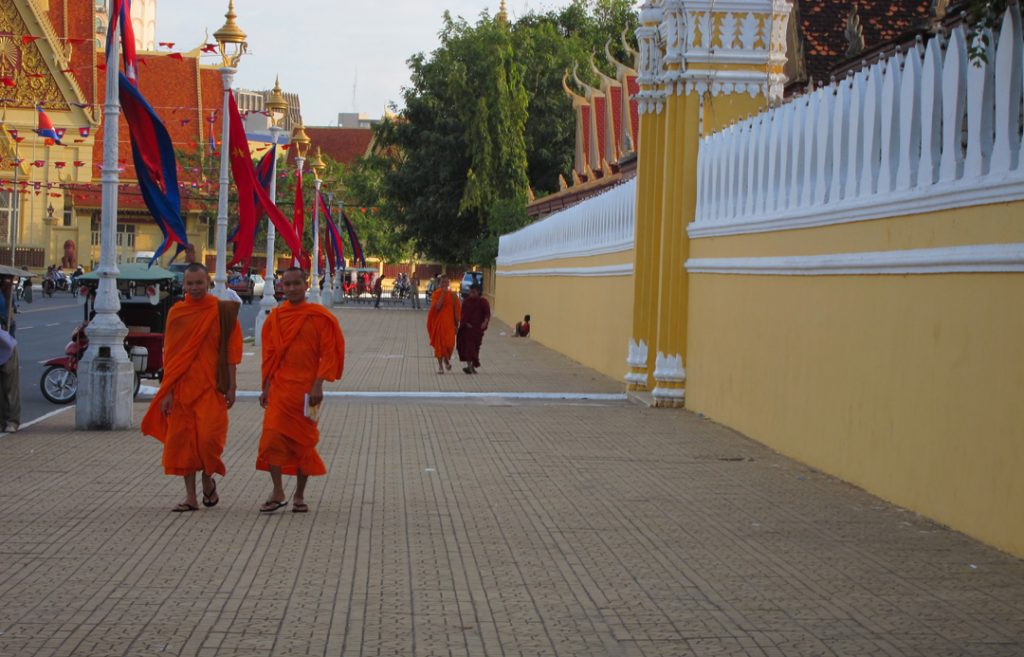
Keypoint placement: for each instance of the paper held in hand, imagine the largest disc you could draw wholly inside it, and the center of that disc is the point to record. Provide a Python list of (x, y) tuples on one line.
[(312, 412)]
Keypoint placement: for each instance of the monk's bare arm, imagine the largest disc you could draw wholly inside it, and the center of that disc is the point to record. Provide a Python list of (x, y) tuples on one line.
[(316, 393), (168, 402)]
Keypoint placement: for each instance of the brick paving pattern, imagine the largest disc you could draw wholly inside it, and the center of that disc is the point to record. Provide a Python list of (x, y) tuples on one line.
[(483, 527)]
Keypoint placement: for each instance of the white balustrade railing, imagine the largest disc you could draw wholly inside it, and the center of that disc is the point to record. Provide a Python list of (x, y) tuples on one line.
[(921, 130), (602, 224)]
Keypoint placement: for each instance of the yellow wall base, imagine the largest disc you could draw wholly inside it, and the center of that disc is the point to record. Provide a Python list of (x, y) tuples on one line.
[(911, 387), (589, 319)]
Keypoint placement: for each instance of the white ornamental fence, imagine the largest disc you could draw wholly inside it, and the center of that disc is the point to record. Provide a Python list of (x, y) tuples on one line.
[(921, 131), (602, 224)]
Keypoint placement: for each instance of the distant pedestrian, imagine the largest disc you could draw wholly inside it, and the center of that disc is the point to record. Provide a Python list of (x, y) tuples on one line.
[(414, 290), (476, 316), (10, 369), (442, 323), (378, 288)]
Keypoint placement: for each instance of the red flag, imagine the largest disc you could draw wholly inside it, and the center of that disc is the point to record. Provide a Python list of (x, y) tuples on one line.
[(177, 56), (28, 38), (166, 44), (7, 82), (249, 189), (211, 48)]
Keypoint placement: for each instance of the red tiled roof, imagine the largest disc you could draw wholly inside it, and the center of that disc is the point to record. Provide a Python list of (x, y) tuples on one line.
[(344, 145), (823, 26)]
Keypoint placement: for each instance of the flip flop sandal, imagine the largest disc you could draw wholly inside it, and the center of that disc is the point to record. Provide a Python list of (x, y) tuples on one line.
[(184, 508), (300, 507), (209, 500), (271, 505)]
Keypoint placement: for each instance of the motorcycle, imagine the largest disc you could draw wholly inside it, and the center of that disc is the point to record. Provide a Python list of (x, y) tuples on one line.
[(59, 383), (55, 283)]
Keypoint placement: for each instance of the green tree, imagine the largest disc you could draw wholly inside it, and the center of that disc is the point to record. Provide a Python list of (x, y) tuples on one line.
[(485, 118)]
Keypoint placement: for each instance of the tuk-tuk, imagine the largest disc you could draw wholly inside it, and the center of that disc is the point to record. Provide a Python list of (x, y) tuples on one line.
[(146, 294)]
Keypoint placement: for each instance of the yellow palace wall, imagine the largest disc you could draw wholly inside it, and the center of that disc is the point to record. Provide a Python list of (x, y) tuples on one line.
[(587, 318), (910, 386)]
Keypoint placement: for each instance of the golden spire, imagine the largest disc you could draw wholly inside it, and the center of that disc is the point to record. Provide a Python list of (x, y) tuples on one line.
[(503, 13)]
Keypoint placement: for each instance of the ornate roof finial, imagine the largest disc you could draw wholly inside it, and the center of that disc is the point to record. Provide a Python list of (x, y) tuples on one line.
[(503, 13), (854, 33)]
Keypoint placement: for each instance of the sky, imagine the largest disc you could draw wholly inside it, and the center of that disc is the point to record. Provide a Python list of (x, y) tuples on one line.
[(338, 55)]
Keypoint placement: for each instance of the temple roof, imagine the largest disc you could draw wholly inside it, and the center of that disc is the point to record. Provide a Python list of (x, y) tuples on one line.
[(823, 28), (344, 145)]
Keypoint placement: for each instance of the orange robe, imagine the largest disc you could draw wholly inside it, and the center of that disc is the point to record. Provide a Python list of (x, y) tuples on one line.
[(301, 343), (196, 430), (442, 323)]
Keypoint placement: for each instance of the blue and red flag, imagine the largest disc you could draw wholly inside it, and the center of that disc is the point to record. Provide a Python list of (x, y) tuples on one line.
[(335, 245), (357, 248), (155, 166), (46, 128), (121, 12)]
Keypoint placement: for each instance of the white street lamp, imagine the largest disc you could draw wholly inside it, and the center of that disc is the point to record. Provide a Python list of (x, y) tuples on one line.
[(231, 43), (277, 108), (106, 377), (318, 166)]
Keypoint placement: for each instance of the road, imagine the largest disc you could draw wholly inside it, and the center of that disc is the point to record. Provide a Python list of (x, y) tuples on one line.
[(44, 327)]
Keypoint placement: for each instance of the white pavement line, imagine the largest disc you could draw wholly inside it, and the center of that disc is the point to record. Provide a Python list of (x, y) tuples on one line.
[(586, 396), (54, 324), (41, 418), (45, 310), (26, 328)]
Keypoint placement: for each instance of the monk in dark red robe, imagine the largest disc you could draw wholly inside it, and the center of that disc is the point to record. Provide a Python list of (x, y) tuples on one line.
[(189, 414), (302, 347), (476, 316), (442, 323)]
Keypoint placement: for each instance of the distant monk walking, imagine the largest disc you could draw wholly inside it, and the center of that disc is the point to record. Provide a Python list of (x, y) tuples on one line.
[(476, 316), (442, 323), (302, 347), (189, 414)]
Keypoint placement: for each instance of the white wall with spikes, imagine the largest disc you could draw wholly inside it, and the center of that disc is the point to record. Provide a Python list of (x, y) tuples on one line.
[(923, 130), (602, 224)]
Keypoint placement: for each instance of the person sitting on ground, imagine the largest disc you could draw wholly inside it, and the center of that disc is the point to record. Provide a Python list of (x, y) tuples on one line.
[(523, 327)]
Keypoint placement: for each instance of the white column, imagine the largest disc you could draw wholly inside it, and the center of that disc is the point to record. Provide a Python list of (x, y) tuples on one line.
[(106, 378), (299, 163), (268, 302), (220, 274), (314, 292)]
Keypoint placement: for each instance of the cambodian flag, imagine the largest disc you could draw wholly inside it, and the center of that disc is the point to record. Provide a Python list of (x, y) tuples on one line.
[(357, 248), (155, 166), (122, 11), (336, 248), (46, 128)]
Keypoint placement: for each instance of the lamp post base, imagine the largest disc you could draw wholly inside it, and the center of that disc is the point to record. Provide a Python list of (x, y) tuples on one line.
[(106, 388), (266, 305)]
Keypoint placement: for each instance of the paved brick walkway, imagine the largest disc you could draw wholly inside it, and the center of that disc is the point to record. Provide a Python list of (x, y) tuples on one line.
[(482, 527)]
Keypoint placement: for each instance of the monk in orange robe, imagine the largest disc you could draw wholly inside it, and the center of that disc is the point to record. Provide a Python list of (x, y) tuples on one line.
[(189, 414), (302, 347), (443, 323)]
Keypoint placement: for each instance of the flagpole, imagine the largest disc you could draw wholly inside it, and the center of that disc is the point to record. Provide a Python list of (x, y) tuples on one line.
[(268, 302), (106, 378), (231, 43), (220, 274), (318, 167)]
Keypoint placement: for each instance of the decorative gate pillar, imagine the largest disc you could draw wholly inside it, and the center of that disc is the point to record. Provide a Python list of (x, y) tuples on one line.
[(648, 210), (704, 65)]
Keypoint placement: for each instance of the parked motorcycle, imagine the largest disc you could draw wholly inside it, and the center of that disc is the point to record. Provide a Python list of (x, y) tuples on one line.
[(59, 383)]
